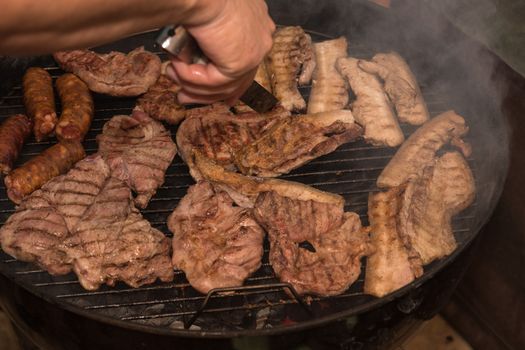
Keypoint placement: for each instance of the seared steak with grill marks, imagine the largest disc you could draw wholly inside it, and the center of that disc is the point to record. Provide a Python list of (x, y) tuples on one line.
[(400, 85), (219, 134), (336, 239), (420, 149), (294, 141), (215, 243), (115, 73), (85, 221), (139, 150)]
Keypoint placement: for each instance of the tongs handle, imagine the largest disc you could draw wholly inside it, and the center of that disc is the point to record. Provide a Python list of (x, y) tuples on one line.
[(174, 39)]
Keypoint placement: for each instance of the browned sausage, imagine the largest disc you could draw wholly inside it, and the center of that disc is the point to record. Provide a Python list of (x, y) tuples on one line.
[(13, 132), (40, 101), (54, 161), (77, 108)]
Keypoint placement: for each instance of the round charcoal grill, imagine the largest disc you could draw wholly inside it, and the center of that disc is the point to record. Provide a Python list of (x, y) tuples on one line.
[(264, 306)]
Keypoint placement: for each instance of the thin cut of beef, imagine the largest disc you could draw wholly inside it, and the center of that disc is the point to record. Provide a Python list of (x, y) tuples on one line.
[(215, 243), (139, 150), (219, 134), (114, 73), (85, 221), (336, 239), (294, 141)]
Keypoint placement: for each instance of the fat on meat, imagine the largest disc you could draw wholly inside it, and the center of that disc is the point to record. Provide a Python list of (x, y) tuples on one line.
[(329, 89), (215, 243), (371, 109), (400, 85), (139, 150), (114, 73), (294, 141), (85, 221)]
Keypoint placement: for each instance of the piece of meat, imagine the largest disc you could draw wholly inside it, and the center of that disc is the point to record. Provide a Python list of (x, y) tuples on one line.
[(292, 48), (296, 140), (30, 176), (329, 88), (77, 108), (219, 134), (392, 265), (309, 64), (114, 73), (400, 85), (139, 150), (160, 101), (429, 203), (371, 108), (215, 243), (335, 240), (13, 132), (420, 149), (262, 77), (85, 221), (245, 189), (39, 101)]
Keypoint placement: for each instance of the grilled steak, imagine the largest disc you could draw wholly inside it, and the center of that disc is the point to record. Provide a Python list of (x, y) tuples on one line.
[(400, 85), (215, 243), (139, 150), (294, 141), (329, 88), (420, 149), (115, 73), (371, 108), (219, 134), (85, 221), (291, 51), (430, 202), (335, 239), (392, 264)]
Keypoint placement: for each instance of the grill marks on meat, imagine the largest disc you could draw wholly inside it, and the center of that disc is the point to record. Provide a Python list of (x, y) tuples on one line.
[(294, 141), (115, 73), (400, 85), (215, 243), (337, 238), (392, 264), (292, 49), (85, 221), (430, 202), (329, 88), (219, 134), (139, 150), (371, 108), (420, 149)]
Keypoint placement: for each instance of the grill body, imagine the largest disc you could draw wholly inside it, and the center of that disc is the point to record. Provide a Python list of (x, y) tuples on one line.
[(55, 312)]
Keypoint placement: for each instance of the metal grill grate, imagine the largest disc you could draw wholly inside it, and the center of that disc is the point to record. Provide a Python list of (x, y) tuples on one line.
[(350, 171)]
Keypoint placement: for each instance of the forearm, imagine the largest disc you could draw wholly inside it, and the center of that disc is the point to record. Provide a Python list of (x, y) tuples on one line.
[(31, 27)]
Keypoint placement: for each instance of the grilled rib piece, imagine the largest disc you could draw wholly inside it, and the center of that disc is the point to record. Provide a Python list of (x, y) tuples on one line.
[(430, 202), (329, 88), (115, 73), (420, 149), (400, 85), (215, 243), (160, 101), (85, 221), (335, 239), (219, 134), (13, 132), (139, 150), (392, 265), (294, 141), (292, 49), (371, 108)]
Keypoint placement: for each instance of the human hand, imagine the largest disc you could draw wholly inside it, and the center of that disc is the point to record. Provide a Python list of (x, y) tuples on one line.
[(235, 35)]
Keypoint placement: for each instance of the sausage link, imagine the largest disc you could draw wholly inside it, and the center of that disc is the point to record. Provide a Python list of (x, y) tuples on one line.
[(55, 160), (39, 101), (13, 132), (77, 108)]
